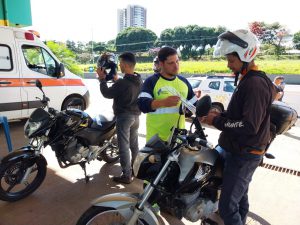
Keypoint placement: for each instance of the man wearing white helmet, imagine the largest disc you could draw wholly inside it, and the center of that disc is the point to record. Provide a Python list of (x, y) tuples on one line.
[(245, 125)]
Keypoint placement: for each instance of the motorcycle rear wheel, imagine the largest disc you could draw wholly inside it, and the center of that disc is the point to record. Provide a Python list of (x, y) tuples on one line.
[(111, 153), (12, 173), (97, 215)]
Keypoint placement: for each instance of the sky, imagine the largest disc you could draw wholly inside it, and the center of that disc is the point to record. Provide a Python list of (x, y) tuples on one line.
[(96, 20)]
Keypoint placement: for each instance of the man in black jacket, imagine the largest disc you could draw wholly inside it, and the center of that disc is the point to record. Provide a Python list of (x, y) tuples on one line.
[(125, 92), (245, 125)]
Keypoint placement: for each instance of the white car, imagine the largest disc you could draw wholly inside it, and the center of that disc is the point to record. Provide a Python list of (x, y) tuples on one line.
[(219, 88)]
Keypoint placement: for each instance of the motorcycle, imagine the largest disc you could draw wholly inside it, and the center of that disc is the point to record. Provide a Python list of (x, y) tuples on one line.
[(73, 135), (184, 179)]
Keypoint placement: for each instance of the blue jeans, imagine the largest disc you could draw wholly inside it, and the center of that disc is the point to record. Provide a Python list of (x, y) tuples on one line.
[(127, 132), (237, 174)]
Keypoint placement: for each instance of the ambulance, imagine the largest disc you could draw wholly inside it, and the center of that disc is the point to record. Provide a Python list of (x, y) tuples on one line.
[(24, 58)]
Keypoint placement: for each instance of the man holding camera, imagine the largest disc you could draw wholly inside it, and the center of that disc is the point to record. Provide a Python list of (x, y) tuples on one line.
[(124, 93)]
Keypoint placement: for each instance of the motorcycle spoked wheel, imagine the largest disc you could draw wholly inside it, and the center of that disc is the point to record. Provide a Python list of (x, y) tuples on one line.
[(97, 215), (111, 153), (11, 175)]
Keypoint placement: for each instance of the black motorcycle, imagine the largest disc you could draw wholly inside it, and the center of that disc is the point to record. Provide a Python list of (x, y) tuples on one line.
[(184, 179), (73, 135)]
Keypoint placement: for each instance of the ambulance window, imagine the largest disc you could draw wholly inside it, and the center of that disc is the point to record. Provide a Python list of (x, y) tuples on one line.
[(6, 63), (50, 63), (39, 60)]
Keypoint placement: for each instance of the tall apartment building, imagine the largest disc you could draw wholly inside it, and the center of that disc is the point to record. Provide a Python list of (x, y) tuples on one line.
[(132, 16)]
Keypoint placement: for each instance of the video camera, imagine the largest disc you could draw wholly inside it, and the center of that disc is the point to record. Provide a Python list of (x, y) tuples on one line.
[(109, 63)]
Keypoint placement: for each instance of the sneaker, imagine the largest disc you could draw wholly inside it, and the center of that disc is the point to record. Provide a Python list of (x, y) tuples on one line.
[(123, 179)]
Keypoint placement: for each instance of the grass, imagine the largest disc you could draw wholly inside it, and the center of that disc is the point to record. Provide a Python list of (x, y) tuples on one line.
[(210, 67)]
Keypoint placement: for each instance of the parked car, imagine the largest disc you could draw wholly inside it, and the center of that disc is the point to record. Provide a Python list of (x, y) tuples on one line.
[(219, 88)]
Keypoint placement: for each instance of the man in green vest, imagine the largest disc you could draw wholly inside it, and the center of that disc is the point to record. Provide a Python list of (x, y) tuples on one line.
[(163, 108)]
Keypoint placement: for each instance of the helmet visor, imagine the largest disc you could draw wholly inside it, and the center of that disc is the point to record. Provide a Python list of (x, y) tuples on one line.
[(231, 37)]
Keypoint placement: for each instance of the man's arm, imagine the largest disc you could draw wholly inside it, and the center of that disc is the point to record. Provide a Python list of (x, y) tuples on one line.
[(107, 92), (256, 103)]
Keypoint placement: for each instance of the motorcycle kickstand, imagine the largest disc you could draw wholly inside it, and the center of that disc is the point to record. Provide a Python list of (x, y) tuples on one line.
[(83, 166)]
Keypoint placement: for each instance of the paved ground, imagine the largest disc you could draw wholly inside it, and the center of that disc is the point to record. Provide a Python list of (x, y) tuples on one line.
[(64, 196)]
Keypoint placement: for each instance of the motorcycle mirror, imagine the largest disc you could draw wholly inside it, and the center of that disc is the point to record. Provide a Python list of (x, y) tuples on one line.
[(203, 106), (38, 84)]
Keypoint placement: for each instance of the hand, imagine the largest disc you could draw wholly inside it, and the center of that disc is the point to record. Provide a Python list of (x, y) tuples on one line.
[(115, 77), (209, 118), (171, 101), (101, 73)]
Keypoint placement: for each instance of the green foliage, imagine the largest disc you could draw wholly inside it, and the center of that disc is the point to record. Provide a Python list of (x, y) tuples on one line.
[(296, 40), (211, 67), (271, 34), (65, 55), (135, 39), (191, 40)]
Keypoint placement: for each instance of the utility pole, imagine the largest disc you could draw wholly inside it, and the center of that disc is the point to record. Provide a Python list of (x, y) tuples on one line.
[(92, 46)]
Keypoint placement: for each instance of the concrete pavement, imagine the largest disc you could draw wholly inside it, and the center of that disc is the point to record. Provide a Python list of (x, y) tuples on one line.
[(64, 196)]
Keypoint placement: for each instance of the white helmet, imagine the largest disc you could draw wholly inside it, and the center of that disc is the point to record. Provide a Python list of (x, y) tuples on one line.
[(243, 42)]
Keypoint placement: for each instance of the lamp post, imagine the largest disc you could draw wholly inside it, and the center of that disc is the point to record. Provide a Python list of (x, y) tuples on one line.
[(92, 47)]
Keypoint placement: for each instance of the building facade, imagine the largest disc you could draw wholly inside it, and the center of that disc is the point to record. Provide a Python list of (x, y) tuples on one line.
[(132, 16)]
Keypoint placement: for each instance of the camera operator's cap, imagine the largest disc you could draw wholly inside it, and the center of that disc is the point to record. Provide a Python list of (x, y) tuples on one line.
[(243, 42)]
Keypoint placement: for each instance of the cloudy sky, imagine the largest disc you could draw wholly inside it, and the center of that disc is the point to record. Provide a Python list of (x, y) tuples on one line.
[(96, 20)]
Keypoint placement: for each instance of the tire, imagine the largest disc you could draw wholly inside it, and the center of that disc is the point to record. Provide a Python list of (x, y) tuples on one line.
[(98, 215), (11, 174), (111, 153), (74, 103)]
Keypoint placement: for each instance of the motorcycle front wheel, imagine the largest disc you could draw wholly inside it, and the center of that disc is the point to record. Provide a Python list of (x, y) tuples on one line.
[(13, 186), (111, 153), (97, 215)]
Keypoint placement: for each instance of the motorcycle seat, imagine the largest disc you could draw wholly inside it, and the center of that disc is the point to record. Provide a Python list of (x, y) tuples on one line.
[(102, 122)]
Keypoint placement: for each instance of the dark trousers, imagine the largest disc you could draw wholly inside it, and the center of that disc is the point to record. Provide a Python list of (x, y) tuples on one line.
[(238, 172), (127, 132)]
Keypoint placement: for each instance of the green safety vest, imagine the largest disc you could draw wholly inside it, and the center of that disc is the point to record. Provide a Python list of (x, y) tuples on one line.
[(164, 119)]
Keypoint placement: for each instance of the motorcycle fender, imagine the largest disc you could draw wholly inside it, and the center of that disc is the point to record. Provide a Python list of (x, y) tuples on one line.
[(125, 203), (23, 153)]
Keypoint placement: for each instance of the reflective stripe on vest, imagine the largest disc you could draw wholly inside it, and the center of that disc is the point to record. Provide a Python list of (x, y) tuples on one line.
[(169, 110)]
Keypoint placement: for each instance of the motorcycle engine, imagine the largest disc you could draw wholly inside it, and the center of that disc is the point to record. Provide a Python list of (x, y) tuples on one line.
[(75, 151), (201, 208)]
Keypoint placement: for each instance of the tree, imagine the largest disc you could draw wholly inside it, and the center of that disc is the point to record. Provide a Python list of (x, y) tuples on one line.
[(65, 55), (192, 40), (71, 45), (166, 37), (111, 45), (135, 39), (272, 34), (296, 40)]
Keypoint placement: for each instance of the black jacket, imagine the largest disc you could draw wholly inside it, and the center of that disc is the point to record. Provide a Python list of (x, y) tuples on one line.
[(125, 93), (246, 124)]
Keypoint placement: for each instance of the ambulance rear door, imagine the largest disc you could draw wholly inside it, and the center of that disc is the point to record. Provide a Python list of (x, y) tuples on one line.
[(10, 83)]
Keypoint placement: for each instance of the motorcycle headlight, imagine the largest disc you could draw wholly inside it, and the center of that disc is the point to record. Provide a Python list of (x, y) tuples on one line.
[(31, 127), (138, 160)]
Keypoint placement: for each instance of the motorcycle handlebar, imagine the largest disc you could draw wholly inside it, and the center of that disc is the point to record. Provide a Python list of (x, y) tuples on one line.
[(204, 143), (195, 138)]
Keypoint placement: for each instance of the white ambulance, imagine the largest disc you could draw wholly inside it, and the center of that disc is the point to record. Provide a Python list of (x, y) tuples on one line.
[(24, 58)]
